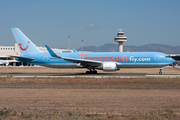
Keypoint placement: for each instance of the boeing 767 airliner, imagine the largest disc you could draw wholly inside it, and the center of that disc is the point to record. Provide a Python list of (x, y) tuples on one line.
[(106, 61)]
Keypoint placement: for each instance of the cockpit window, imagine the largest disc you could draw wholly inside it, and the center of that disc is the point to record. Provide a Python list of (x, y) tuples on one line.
[(167, 57)]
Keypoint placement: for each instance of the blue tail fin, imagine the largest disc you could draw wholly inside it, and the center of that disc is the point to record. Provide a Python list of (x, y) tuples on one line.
[(26, 46)]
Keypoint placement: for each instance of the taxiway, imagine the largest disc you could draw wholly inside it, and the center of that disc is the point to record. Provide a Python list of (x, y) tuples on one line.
[(121, 75)]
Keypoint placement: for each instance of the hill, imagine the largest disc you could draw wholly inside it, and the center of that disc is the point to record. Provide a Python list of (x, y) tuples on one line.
[(109, 47)]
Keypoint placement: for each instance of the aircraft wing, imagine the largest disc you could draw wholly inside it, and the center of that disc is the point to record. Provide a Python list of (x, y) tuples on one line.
[(22, 57), (74, 60)]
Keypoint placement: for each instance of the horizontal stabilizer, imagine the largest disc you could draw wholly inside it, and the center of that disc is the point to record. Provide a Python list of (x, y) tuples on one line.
[(22, 57)]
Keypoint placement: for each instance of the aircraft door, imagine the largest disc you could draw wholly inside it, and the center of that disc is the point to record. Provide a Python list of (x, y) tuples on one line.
[(45, 59), (157, 58)]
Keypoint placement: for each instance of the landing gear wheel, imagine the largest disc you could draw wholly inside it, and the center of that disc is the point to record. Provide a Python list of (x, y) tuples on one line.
[(91, 72), (160, 72), (94, 72)]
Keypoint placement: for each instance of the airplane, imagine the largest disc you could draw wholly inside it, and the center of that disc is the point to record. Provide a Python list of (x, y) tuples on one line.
[(4, 62), (106, 61)]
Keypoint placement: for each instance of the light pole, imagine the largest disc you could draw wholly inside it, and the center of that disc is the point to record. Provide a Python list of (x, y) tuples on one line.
[(81, 45), (68, 42)]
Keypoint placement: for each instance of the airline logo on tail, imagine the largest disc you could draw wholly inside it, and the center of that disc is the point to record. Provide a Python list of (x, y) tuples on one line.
[(23, 49)]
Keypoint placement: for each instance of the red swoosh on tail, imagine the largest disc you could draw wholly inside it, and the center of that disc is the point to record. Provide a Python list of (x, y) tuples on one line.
[(23, 49)]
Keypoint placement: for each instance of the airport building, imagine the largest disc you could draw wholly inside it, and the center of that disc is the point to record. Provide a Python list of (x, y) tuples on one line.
[(7, 51), (176, 57)]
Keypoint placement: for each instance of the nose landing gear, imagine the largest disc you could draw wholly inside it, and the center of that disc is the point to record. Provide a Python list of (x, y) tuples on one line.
[(160, 72)]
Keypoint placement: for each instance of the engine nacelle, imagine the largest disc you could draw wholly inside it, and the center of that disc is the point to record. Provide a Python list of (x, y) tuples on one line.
[(109, 66)]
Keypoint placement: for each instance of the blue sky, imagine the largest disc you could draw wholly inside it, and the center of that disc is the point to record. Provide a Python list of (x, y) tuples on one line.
[(96, 22)]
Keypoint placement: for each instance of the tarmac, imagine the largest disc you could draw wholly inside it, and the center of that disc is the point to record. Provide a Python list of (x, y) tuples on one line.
[(98, 75)]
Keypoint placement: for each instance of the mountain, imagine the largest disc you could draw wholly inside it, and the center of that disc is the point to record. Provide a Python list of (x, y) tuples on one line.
[(149, 47)]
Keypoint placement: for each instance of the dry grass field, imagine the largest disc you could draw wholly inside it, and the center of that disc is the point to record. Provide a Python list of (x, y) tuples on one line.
[(81, 98)]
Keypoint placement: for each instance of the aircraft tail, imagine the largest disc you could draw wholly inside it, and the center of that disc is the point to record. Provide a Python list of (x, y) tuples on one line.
[(26, 46)]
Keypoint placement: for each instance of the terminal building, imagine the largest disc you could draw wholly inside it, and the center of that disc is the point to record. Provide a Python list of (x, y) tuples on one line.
[(6, 51), (176, 57)]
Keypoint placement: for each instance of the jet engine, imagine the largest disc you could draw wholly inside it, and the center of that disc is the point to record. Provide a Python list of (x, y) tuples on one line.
[(109, 66)]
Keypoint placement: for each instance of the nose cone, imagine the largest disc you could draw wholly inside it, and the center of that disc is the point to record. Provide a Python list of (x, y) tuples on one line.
[(172, 60)]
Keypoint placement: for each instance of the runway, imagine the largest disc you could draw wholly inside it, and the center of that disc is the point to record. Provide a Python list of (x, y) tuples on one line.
[(99, 75)]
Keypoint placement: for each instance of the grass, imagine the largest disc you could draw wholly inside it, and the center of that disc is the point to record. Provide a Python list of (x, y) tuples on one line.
[(89, 98), (4, 112), (89, 104), (90, 83), (79, 115)]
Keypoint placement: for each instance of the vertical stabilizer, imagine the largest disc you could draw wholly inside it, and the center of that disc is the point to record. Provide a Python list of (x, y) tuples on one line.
[(25, 45)]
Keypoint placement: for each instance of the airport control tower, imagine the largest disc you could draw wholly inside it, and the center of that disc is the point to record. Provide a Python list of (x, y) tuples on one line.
[(120, 39)]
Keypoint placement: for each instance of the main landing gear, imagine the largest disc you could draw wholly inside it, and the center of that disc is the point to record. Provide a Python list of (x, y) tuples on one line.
[(91, 71), (160, 72)]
